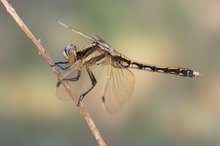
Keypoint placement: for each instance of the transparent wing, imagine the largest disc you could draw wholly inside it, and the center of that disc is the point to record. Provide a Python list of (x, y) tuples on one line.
[(82, 84), (70, 73), (99, 39), (103, 44), (118, 89)]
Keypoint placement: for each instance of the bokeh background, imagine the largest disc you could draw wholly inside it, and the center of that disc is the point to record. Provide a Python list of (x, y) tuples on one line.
[(165, 110)]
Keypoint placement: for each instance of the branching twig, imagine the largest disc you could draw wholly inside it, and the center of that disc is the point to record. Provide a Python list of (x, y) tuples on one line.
[(47, 58)]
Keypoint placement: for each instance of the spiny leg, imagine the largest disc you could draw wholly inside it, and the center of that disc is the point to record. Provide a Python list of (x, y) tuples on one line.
[(70, 79), (58, 64), (93, 80)]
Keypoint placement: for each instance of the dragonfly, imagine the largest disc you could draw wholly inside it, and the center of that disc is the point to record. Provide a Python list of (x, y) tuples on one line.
[(119, 83)]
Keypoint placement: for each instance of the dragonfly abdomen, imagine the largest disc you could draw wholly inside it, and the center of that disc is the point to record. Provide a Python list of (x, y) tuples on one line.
[(185, 72)]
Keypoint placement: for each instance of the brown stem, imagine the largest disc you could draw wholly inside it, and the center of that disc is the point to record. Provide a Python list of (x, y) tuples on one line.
[(47, 58)]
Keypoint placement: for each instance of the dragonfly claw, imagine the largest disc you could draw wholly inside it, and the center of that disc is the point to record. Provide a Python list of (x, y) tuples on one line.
[(80, 99), (78, 102), (52, 65)]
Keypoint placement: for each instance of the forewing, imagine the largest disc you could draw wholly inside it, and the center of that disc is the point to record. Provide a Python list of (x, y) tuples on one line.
[(83, 83), (70, 73), (103, 44), (118, 89)]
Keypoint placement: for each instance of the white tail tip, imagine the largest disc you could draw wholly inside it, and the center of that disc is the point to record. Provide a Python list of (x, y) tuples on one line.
[(196, 74)]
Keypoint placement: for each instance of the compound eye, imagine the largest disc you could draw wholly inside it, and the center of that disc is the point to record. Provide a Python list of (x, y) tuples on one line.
[(68, 50)]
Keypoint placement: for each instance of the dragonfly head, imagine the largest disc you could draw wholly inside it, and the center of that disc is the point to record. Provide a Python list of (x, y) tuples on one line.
[(69, 53)]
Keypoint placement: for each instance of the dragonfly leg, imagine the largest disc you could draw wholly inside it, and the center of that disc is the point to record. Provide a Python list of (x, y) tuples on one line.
[(93, 80), (70, 79), (58, 64)]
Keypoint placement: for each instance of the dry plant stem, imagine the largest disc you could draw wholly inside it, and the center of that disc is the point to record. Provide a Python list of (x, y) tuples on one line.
[(47, 58)]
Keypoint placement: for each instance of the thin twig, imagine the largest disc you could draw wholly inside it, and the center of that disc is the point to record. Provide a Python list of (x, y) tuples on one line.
[(47, 58)]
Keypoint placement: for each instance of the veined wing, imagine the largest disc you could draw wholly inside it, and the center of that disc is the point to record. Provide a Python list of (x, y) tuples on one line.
[(78, 77), (103, 44), (118, 89)]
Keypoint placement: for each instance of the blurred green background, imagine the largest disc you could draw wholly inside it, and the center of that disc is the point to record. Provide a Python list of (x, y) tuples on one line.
[(165, 110)]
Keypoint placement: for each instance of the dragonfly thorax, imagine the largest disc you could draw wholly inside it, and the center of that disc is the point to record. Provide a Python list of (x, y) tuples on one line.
[(69, 53)]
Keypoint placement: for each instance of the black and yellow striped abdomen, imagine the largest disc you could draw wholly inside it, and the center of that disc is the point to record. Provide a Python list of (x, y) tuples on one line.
[(123, 61), (185, 72)]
